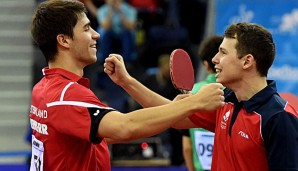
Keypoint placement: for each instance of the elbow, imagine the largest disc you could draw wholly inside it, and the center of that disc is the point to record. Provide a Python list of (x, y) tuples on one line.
[(126, 136), (120, 137), (126, 133)]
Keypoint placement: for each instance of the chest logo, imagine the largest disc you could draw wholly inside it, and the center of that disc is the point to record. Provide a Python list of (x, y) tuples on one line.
[(225, 119), (243, 134), (226, 116)]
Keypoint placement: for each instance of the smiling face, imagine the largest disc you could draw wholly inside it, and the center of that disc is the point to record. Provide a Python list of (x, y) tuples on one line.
[(228, 66), (83, 43)]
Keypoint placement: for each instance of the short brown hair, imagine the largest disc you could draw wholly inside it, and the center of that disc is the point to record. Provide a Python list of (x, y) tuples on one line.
[(51, 18), (256, 40)]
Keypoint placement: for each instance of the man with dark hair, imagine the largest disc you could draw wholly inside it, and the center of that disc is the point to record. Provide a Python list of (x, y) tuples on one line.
[(256, 129), (71, 126)]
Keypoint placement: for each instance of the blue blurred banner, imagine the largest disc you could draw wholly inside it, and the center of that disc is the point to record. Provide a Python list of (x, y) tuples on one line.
[(281, 18)]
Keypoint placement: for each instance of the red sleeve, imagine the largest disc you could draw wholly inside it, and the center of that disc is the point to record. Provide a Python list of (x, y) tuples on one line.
[(206, 120)]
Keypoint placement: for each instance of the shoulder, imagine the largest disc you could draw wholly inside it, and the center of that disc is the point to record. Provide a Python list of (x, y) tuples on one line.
[(75, 91), (74, 94), (278, 114), (274, 106)]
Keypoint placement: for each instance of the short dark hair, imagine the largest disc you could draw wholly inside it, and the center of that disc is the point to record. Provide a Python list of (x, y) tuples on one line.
[(256, 40), (209, 48), (52, 18)]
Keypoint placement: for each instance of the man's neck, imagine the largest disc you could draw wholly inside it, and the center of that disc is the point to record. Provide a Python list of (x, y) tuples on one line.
[(248, 88), (68, 66)]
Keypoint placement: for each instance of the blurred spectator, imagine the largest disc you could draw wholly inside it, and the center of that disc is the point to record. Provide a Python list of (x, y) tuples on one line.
[(117, 20), (117, 26)]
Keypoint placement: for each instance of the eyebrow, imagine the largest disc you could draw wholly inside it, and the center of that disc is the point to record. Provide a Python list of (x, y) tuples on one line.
[(222, 49), (87, 24)]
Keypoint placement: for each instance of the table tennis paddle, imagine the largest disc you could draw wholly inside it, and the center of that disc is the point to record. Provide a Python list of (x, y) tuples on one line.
[(181, 70)]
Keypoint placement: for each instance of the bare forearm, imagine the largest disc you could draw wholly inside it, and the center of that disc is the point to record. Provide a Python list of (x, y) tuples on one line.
[(145, 122), (143, 95), (161, 117)]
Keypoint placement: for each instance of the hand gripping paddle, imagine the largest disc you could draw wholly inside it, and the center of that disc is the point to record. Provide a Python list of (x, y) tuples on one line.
[(181, 70)]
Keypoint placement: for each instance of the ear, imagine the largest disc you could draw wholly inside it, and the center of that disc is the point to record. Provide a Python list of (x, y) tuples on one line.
[(248, 61), (63, 40)]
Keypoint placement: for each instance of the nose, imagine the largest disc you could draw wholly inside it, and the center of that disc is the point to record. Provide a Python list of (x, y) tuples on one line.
[(215, 58), (95, 35)]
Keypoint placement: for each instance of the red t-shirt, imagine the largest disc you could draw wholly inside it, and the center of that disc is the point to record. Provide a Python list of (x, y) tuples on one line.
[(64, 117)]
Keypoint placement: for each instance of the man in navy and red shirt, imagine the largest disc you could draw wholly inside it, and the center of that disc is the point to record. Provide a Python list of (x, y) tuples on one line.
[(256, 129), (71, 127)]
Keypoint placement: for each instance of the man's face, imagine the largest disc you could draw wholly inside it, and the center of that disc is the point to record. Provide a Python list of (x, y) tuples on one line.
[(227, 64), (83, 44)]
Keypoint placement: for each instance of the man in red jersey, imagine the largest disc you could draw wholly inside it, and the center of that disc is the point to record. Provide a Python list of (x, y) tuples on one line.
[(256, 129), (71, 127)]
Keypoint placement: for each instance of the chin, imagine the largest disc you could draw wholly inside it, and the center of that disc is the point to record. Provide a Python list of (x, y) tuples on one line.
[(93, 59), (221, 82)]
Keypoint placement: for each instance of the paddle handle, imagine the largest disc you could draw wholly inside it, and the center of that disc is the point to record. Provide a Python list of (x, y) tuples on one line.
[(184, 91)]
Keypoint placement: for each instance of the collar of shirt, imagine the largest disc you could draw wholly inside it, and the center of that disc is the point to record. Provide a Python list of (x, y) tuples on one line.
[(257, 100), (66, 74)]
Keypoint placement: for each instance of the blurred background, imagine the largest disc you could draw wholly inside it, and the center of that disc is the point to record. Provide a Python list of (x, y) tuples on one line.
[(160, 27)]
